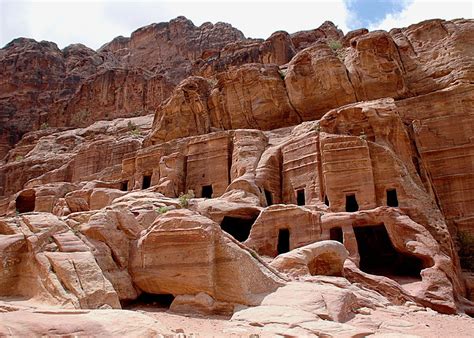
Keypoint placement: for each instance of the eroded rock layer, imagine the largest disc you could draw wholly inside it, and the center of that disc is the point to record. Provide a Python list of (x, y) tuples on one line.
[(295, 183)]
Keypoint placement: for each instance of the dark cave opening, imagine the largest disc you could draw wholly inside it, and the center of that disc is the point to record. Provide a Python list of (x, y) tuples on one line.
[(268, 197), (392, 198), (351, 203), (162, 301), (124, 185), (25, 202), (239, 228), (206, 191), (379, 257), (326, 200), (300, 197), (146, 181), (335, 234), (283, 241)]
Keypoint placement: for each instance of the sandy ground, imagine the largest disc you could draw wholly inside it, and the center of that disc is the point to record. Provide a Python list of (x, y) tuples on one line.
[(392, 321), (397, 321)]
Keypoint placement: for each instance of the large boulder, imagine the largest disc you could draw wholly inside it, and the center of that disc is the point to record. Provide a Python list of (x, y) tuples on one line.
[(317, 81), (185, 253), (320, 258)]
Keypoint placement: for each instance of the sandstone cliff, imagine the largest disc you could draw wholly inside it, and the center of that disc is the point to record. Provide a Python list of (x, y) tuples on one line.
[(303, 184)]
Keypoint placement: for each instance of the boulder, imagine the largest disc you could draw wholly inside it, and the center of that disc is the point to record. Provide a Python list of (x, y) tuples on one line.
[(320, 258)]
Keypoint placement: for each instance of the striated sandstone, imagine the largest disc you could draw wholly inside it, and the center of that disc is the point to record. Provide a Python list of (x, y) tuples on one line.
[(338, 225), (375, 68), (218, 266), (320, 258), (317, 81)]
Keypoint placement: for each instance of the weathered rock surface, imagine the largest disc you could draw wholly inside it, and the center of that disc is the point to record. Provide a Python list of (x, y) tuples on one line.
[(43, 85), (217, 265), (321, 258), (317, 81), (251, 96), (106, 323), (307, 184)]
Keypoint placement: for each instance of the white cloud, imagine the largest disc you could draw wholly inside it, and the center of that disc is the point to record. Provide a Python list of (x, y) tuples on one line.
[(419, 10), (95, 22)]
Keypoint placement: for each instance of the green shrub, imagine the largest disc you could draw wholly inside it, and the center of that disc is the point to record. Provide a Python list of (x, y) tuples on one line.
[(184, 198), (44, 126), (19, 158), (133, 129), (335, 45), (162, 210), (80, 118), (282, 73)]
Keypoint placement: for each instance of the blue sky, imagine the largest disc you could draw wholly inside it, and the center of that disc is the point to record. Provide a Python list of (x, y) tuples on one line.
[(367, 12), (95, 22)]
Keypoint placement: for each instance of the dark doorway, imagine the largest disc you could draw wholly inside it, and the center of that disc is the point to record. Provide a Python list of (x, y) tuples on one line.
[(151, 300), (300, 198), (336, 234), (392, 199), (239, 228), (25, 202), (326, 200), (206, 191), (379, 257), (124, 185), (351, 203), (146, 181), (283, 241), (268, 197)]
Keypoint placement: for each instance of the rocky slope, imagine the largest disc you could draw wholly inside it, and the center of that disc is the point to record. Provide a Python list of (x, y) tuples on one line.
[(309, 183)]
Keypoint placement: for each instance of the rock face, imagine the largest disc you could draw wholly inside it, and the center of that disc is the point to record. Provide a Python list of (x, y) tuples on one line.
[(218, 266), (45, 86), (317, 81), (321, 258), (295, 184)]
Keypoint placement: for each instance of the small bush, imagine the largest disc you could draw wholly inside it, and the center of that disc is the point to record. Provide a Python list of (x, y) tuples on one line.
[(19, 158), (282, 73), (162, 210), (133, 129), (80, 118), (44, 126), (335, 45), (184, 198)]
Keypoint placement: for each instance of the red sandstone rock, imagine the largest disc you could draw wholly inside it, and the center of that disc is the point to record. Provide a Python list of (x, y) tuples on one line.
[(317, 81), (326, 32), (218, 266), (320, 258), (94, 217), (375, 68)]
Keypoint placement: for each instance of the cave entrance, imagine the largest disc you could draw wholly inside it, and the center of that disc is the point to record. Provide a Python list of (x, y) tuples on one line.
[(351, 203), (300, 197), (326, 200), (25, 202), (206, 191), (268, 197), (161, 301), (146, 181), (392, 199), (124, 185), (335, 234), (239, 228), (379, 257), (283, 241)]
